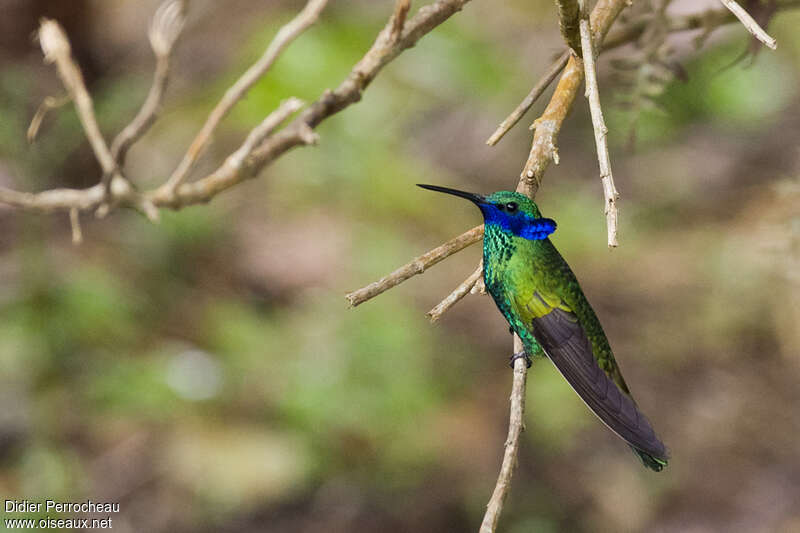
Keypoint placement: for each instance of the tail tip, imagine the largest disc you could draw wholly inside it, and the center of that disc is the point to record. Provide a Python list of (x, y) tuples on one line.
[(655, 464)]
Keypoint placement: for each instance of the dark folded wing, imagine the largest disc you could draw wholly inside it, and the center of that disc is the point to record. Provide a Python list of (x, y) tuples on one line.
[(570, 350)]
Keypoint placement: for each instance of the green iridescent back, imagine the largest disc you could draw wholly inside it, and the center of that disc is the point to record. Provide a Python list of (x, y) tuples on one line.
[(515, 269)]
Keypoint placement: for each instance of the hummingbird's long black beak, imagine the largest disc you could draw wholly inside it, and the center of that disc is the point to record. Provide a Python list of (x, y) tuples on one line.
[(472, 197)]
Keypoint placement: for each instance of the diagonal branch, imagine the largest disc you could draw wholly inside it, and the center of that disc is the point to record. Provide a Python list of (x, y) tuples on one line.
[(285, 36), (384, 49), (545, 81), (263, 130), (50, 102), (298, 133), (750, 23), (466, 287), (416, 266)]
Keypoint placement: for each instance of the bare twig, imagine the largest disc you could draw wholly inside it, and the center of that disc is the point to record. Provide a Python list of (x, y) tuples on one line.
[(459, 292), (417, 266), (479, 287), (349, 92), (600, 131), (267, 126), (65, 199), (568, 23), (56, 48), (401, 8), (749, 23), (50, 102), (297, 133), (75, 224), (545, 81), (284, 37), (383, 50), (516, 426), (164, 31), (708, 20), (548, 125)]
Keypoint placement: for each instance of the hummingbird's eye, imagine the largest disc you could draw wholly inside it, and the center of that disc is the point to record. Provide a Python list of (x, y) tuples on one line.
[(511, 207)]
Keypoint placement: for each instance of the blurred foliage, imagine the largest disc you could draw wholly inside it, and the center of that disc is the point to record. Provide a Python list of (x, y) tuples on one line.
[(206, 373)]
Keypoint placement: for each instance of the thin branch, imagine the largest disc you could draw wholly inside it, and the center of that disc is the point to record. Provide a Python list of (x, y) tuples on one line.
[(749, 23), (708, 20), (568, 23), (479, 287), (459, 292), (56, 48), (297, 133), (66, 199), (548, 125), (401, 8), (168, 22), (236, 92), (260, 132), (600, 131), (516, 426), (75, 224), (545, 81), (417, 266), (384, 50), (50, 102), (349, 92)]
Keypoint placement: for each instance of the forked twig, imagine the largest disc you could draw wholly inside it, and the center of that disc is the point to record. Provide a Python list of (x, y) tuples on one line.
[(284, 37), (56, 48), (168, 22)]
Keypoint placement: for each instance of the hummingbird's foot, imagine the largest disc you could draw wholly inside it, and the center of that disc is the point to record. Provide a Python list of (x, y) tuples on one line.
[(520, 355)]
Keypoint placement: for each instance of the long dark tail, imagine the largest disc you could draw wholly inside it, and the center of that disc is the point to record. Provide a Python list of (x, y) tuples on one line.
[(566, 344)]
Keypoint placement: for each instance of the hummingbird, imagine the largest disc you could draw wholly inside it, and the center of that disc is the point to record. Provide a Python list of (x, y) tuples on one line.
[(540, 297)]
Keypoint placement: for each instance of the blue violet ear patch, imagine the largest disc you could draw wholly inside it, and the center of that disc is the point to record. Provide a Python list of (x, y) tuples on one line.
[(517, 222), (538, 229)]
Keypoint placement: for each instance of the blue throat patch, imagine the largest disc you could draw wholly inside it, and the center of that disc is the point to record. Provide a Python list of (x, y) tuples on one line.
[(519, 224)]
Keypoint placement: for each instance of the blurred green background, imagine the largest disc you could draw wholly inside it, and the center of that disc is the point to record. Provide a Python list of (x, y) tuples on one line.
[(206, 373)]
